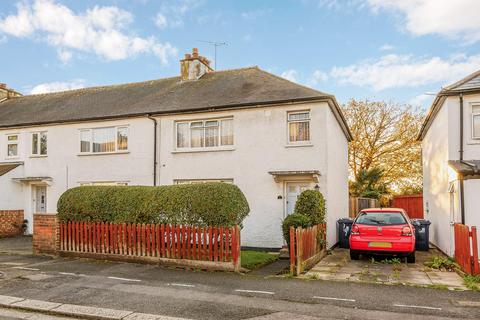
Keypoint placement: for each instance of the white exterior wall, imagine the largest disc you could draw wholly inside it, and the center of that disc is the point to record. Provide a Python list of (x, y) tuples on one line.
[(435, 156), (67, 168), (260, 146), (337, 179), (442, 143)]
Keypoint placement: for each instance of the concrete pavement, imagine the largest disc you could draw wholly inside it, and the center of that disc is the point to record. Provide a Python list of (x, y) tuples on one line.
[(216, 295)]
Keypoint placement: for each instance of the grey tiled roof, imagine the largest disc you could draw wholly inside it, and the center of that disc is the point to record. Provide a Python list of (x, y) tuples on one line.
[(216, 90)]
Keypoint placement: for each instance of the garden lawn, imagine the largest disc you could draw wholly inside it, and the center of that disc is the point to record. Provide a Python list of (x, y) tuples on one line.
[(255, 259)]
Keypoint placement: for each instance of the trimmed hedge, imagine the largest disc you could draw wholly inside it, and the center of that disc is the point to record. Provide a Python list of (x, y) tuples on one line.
[(311, 203), (294, 220), (205, 204)]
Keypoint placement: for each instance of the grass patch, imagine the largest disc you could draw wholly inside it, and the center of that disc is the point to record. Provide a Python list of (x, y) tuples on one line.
[(255, 259), (442, 263), (472, 282)]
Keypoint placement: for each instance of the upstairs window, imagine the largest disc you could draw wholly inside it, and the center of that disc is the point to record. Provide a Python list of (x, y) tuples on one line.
[(104, 140), (298, 126), (476, 121), (12, 145), (39, 143), (204, 134)]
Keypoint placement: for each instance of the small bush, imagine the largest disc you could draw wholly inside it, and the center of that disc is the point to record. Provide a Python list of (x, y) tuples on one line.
[(311, 203), (442, 263), (294, 220), (214, 204)]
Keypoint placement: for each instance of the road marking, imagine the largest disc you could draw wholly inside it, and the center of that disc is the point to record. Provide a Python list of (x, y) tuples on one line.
[(68, 273), (416, 307), (182, 285), (332, 298), (254, 291), (25, 268), (124, 279)]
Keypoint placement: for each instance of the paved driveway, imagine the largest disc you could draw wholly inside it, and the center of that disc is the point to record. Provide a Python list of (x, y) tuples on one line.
[(338, 266), (21, 245)]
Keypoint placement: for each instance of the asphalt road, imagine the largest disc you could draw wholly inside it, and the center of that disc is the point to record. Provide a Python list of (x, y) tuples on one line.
[(216, 295)]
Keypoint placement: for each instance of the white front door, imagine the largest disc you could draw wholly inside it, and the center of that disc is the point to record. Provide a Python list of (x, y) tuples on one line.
[(40, 199), (293, 191)]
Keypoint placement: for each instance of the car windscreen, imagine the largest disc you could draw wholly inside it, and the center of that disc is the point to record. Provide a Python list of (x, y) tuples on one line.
[(380, 218)]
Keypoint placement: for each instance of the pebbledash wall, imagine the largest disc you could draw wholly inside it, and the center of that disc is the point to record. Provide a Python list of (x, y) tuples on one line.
[(11, 223), (260, 146)]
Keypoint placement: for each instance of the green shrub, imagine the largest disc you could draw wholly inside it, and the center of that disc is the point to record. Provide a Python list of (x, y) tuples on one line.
[(217, 204), (311, 203), (294, 220)]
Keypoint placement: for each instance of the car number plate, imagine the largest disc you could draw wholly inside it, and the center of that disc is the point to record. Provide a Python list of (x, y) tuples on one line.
[(380, 244)]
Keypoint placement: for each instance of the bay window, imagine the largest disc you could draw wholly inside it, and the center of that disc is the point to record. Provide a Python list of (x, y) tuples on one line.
[(39, 144), (12, 145), (298, 126), (104, 140), (476, 121), (204, 134)]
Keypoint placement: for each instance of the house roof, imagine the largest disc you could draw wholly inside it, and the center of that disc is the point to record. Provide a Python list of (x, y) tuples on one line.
[(469, 84), (7, 167), (216, 90), (466, 168)]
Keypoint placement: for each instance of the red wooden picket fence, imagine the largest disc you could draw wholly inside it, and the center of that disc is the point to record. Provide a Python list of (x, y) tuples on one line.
[(412, 204), (209, 247), (466, 248), (307, 247)]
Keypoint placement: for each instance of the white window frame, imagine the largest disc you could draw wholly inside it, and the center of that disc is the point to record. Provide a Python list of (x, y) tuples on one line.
[(90, 130), (38, 154), (204, 148), (309, 120), (475, 114), (195, 181), (16, 142)]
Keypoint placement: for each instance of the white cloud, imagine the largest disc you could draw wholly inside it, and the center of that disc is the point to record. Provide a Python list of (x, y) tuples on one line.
[(58, 86), (422, 100), (386, 47), (457, 19), (291, 75), (317, 77), (393, 71), (172, 13), (254, 14), (101, 30)]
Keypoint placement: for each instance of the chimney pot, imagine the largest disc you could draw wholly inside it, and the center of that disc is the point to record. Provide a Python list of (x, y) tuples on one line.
[(188, 55), (195, 52)]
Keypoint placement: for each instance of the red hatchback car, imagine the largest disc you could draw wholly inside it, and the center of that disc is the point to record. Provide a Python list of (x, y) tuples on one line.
[(383, 231)]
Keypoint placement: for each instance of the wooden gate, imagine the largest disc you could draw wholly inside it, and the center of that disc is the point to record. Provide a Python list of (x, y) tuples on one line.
[(466, 248), (413, 204)]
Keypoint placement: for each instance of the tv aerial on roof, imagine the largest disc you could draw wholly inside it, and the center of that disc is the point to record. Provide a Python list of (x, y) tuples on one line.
[(215, 45)]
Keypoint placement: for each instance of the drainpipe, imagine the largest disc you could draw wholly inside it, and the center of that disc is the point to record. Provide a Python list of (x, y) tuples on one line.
[(462, 186), (154, 149)]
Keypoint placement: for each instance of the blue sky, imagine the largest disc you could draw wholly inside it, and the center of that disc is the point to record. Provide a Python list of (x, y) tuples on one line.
[(363, 49)]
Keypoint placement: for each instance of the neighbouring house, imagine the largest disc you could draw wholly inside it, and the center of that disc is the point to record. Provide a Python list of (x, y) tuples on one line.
[(450, 139), (271, 137)]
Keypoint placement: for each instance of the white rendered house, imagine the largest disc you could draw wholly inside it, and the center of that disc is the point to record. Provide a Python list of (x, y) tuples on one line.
[(451, 160), (271, 137)]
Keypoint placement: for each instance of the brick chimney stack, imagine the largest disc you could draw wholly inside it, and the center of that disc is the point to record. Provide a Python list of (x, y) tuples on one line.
[(193, 66), (6, 93)]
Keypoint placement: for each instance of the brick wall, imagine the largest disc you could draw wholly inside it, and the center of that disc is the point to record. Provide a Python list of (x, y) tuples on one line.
[(11, 223), (45, 234)]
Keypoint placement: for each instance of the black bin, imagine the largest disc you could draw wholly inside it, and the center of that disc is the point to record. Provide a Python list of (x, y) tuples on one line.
[(344, 228), (422, 227)]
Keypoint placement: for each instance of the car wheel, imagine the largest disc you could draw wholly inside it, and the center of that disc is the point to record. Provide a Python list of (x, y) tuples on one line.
[(354, 255), (411, 257)]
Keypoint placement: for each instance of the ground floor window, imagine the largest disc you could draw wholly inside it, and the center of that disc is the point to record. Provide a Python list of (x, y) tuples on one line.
[(193, 181)]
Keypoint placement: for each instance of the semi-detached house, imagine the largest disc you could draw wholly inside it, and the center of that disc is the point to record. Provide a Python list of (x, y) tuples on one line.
[(271, 137)]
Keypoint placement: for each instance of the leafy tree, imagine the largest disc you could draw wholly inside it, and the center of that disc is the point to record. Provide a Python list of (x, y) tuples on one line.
[(385, 139), (368, 184)]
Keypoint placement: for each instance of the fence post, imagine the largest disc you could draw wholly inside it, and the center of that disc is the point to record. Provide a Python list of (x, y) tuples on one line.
[(292, 250), (299, 254), (236, 246), (474, 258)]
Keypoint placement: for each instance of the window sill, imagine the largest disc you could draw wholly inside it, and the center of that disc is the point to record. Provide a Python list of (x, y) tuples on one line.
[(102, 153), (473, 141), (203, 150), (12, 158), (292, 145), (38, 156)]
